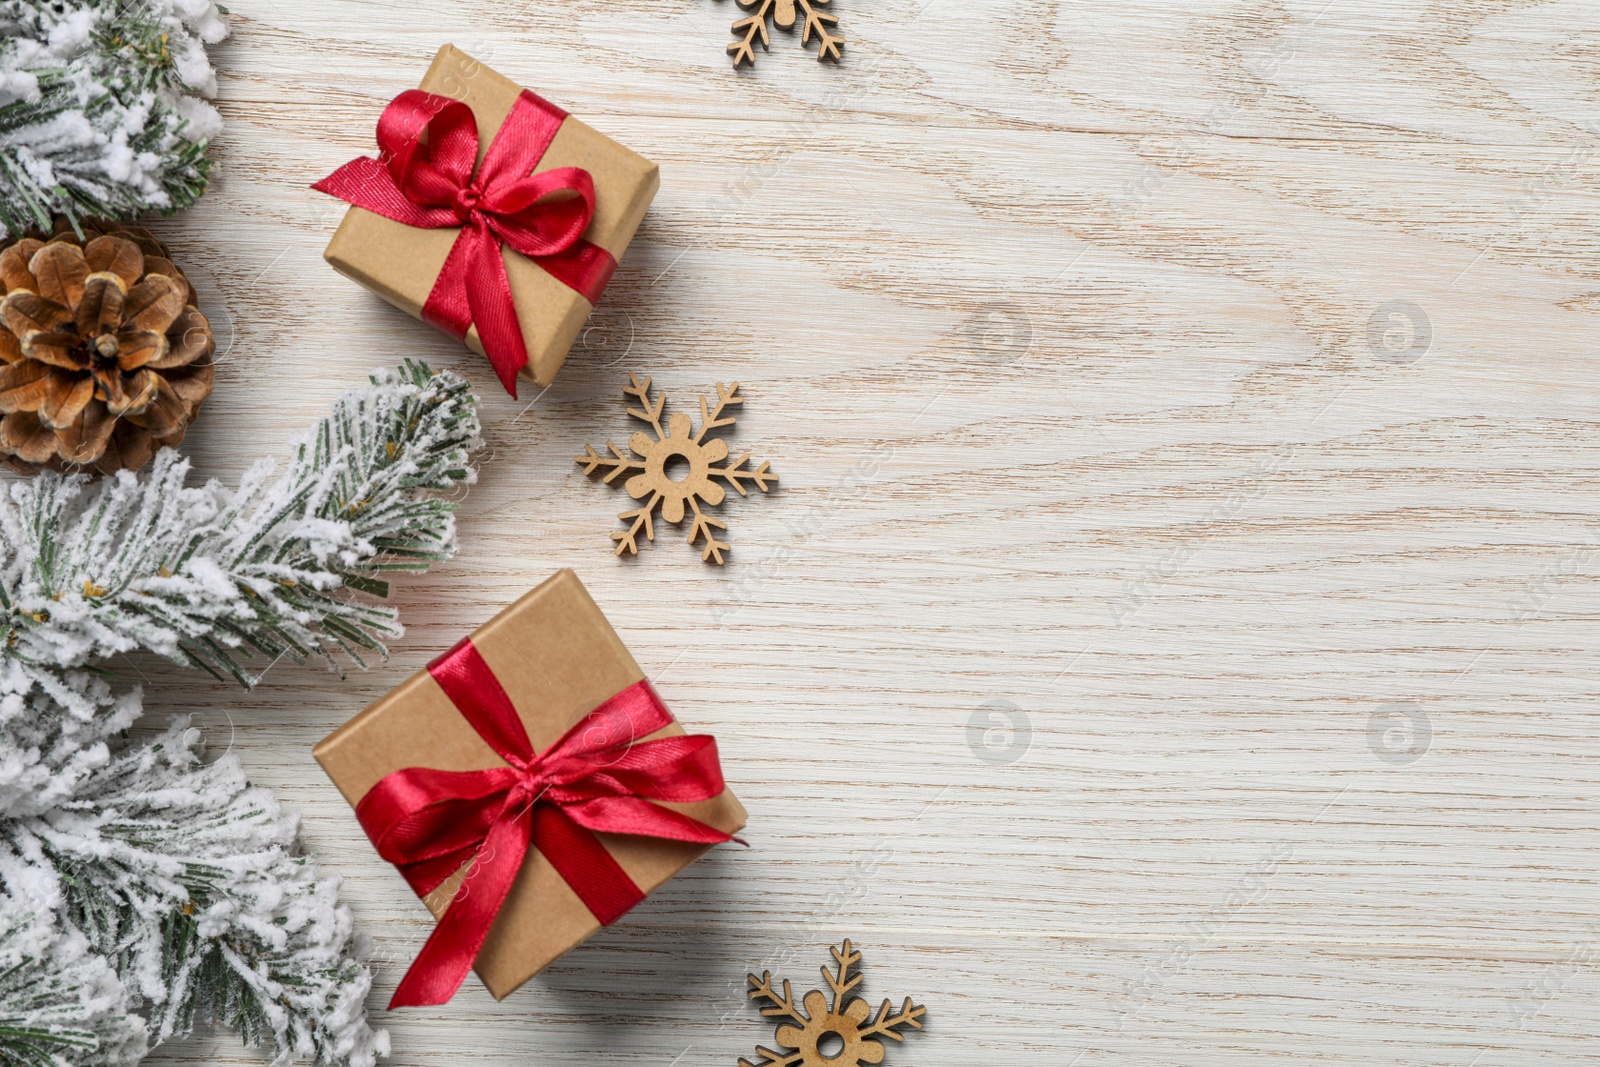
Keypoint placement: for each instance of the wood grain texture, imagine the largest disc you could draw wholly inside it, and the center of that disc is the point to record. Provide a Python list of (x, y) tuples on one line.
[(1172, 641)]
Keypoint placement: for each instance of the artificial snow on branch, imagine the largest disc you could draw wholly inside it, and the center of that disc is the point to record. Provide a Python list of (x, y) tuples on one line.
[(48, 746), (144, 890), (101, 109), (61, 1005), (209, 576), (191, 883)]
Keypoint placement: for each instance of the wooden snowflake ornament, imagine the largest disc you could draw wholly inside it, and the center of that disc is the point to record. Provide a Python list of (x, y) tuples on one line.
[(840, 1033), (675, 468), (782, 12)]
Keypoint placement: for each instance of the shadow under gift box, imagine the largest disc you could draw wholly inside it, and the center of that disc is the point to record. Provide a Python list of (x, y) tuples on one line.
[(401, 263), (558, 659)]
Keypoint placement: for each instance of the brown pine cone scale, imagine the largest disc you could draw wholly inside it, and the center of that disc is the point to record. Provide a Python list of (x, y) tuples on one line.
[(103, 355)]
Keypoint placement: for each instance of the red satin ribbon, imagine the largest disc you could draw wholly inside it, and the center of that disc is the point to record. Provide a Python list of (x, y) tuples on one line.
[(598, 777), (430, 184)]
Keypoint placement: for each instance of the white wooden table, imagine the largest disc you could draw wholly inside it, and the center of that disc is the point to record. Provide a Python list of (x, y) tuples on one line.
[(1172, 642)]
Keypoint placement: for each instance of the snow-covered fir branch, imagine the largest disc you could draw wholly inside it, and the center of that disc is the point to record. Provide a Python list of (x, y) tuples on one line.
[(190, 882), (61, 1004), (102, 109), (48, 747), (210, 576), (142, 891)]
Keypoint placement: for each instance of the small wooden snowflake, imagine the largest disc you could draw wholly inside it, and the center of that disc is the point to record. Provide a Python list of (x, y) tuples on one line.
[(782, 12), (675, 468), (840, 1033)]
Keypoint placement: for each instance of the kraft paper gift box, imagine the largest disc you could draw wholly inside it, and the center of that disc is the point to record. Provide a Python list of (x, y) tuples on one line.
[(557, 659), (401, 263)]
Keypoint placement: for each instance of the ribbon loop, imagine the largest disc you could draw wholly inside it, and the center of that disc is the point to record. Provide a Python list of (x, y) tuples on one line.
[(598, 778), (428, 172), (428, 145)]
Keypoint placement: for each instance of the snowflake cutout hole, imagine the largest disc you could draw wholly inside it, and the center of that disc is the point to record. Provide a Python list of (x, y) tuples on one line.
[(823, 1033), (675, 468)]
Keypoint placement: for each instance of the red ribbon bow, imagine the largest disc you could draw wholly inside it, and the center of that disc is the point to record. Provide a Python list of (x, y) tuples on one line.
[(430, 184), (597, 777)]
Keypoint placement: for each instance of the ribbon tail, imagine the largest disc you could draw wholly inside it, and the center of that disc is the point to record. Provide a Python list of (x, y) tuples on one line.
[(640, 818), (442, 966), (494, 311), (367, 183), (472, 290)]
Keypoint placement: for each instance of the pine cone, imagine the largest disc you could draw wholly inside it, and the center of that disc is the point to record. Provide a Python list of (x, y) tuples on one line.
[(103, 355)]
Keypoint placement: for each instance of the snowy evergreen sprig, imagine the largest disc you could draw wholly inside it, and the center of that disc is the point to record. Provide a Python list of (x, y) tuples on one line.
[(61, 1004), (190, 882), (102, 109), (209, 576), (48, 746), (142, 891)]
